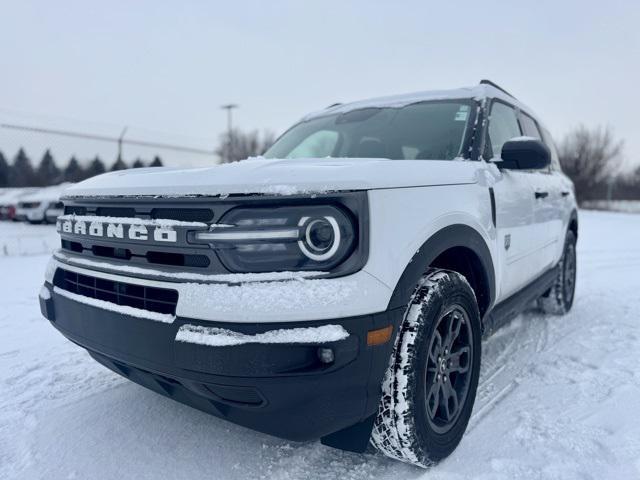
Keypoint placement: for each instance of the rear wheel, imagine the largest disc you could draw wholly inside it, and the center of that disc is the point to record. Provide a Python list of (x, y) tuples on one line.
[(431, 382), (558, 300)]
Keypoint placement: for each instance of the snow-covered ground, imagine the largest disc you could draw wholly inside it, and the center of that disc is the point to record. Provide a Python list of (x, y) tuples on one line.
[(22, 239), (628, 206), (559, 396)]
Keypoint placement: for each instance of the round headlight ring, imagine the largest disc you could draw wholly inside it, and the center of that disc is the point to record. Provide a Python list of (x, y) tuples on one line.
[(307, 246)]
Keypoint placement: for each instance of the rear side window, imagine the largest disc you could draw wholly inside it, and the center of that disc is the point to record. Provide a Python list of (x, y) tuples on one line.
[(530, 127), (503, 126)]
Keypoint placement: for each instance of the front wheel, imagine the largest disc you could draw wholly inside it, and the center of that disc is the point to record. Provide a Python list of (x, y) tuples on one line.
[(430, 386)]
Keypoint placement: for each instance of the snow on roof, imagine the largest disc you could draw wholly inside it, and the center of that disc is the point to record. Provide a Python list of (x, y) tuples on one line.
[(478, 92)]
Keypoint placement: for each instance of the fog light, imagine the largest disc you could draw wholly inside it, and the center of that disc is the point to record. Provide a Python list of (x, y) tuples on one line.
[(326, 355)]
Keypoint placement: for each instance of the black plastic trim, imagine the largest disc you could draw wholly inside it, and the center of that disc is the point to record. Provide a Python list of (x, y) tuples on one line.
[(283, 390), (511, 307), (492, 198), (449, 237)]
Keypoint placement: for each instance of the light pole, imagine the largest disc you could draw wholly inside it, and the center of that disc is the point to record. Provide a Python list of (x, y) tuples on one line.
[(229, 107), (120, 138)]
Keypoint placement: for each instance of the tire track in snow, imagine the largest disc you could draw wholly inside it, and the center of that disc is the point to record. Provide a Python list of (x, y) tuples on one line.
[(506, 355)]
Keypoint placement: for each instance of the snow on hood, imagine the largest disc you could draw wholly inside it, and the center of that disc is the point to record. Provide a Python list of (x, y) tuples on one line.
[(275, 177)]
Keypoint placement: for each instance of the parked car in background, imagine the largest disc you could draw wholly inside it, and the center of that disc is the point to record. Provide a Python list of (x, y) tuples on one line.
[(9, 198), (54, 211), (33, 208)]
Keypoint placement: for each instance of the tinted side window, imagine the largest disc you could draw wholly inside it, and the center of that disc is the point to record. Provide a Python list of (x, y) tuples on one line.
[(503, 126), (529, 126)]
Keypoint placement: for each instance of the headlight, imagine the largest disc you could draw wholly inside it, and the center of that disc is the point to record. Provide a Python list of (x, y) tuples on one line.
[(321, 237), (312, 238)]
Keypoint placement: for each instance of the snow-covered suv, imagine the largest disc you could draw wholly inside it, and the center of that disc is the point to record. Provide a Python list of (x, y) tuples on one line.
[(339, 286)]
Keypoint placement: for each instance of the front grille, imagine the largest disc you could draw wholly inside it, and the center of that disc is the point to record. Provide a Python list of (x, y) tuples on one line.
[(116, 212), (153, 257), (160, 300), (74, 210), (183, 255), (184, 214)]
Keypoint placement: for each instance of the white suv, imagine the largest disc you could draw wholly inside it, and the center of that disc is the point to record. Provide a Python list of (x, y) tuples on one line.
[(339, 286)]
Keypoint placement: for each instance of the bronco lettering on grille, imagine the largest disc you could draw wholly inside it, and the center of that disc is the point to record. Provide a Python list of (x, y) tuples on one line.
[(159, 233)]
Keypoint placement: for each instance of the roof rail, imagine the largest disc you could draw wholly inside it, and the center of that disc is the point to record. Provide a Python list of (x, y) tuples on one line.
[(334, 105), (484, 81)]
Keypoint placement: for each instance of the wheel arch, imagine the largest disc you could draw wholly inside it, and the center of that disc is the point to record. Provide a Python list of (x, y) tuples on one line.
[(455, 247)]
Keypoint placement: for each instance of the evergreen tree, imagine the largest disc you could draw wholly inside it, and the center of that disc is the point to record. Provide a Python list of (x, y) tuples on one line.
[(138, 163), (95, 168), (48, 172), (22, 173), (73, 172), (4, 171), (119, 165), (156, 162)]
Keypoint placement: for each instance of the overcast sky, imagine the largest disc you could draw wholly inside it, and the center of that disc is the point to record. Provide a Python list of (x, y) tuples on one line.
[(168, 66)]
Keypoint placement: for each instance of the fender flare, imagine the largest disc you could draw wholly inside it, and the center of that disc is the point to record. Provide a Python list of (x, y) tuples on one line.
[(458, 235)]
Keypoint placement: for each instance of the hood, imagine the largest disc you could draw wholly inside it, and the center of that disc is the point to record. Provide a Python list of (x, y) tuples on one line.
[(276, 177)]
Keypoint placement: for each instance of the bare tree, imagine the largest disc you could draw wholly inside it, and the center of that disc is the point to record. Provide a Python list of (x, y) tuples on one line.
[(240, 145), (591, 158)]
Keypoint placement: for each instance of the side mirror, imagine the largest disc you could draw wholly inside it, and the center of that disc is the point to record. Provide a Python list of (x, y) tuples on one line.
[(525, 153)]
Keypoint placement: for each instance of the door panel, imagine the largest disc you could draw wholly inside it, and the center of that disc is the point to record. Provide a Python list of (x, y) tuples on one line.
[(547, 218), (515, 231), (547, 197), (517, 235)]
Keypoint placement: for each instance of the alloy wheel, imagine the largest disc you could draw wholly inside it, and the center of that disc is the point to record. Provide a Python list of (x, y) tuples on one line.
[(449, 367)]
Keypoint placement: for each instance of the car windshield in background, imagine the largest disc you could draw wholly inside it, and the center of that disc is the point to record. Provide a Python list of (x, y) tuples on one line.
[(433, 130)]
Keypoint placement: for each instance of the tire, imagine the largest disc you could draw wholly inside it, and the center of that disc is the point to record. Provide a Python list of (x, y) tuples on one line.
[(409, 425), (558, 300)]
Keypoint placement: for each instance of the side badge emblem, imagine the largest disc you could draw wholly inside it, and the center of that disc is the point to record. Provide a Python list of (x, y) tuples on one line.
[(507, 241)]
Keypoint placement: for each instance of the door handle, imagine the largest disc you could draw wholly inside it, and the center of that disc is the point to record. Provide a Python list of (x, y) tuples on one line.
[(565, 193), (542, 194)]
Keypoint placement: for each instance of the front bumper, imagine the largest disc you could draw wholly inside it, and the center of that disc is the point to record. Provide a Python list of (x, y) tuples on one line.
[(210, 297), (279, 389)]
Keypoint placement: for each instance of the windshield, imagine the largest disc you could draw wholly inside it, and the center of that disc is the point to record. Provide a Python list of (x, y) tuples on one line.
[(433, 130)]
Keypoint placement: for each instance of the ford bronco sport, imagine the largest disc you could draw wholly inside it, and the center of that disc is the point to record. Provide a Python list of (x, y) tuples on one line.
[(339, 286)]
